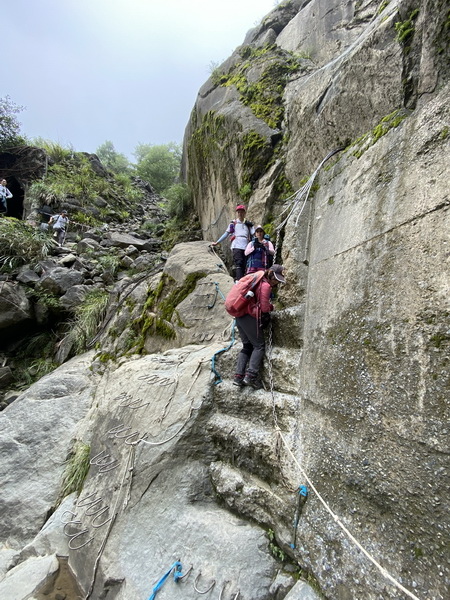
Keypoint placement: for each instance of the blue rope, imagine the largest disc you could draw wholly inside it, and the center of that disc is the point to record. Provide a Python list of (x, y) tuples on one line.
[(176, 576), (213, 359), (218, 291)]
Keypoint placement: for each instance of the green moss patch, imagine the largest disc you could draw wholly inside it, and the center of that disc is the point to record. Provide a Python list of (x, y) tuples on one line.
[(390, 121), (406, 29), (265, 95), (159, 315)]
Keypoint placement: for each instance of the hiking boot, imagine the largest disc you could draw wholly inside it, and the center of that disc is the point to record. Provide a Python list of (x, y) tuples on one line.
[(238, 380), (252, 380)]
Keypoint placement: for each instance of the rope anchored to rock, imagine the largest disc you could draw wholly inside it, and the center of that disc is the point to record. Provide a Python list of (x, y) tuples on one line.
[(294, 203), (218, 377), (176, 568)]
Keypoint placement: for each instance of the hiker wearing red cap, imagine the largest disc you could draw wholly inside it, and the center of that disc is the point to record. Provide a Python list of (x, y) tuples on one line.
[(250, 328), (241, 232)]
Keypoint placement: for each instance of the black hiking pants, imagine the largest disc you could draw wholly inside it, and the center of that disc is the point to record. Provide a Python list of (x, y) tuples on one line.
[(240, 260), (252, 354)]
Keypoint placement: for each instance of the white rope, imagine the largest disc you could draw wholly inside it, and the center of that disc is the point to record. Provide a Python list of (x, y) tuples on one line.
[(295, 201), (342, 526), (141, 440)]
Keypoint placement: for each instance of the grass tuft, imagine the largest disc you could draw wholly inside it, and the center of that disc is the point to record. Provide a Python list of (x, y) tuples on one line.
[(21, 243), (88, 317), (76, 470)]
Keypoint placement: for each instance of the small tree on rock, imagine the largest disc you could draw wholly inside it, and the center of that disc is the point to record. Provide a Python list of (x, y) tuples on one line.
[(113, 160), (159, 165), (9, 125)]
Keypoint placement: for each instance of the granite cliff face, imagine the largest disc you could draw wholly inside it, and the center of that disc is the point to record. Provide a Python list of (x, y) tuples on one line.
[(355, 403), (365, 334)]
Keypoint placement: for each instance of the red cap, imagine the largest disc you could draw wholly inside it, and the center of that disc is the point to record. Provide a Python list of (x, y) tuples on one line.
[(241, 207)]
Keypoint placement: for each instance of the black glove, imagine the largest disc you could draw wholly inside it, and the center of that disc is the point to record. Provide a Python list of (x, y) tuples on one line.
[(265, 320)]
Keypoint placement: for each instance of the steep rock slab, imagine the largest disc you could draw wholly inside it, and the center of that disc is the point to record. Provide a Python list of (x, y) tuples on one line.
[(51, 538), (179, 518), (144, 505), (36, 434), (346, 96)]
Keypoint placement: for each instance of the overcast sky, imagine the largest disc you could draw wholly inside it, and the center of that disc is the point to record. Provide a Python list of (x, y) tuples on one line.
[(128, 71)]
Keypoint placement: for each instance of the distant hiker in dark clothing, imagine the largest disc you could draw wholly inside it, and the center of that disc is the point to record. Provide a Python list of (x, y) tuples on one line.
[(259, 252), (5, 194), (60, 223), (241, 232), (46, 215), (250, 328)]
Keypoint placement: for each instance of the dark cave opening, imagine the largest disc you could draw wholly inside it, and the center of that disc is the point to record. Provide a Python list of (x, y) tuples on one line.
[(14, 204)]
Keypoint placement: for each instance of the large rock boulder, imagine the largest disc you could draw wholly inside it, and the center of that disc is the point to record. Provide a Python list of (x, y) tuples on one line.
[(123, 240), (74, 296), (181, 304), (36, 436), (27, 578), (191, 290), (15, 308), (59, 280)]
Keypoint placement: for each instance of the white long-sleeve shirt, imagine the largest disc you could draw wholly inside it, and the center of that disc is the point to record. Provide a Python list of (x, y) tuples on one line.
[(59, 222), (5, 192), (242, 234)]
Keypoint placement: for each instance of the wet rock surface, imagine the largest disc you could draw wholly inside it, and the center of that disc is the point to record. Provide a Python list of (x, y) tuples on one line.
[(355, 392)]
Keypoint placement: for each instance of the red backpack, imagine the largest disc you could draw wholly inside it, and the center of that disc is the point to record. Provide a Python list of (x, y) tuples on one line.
[(241, 294)]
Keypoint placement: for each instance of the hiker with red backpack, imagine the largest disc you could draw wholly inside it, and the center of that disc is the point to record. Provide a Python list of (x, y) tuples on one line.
[(259, 252), (241, 232), (249, 302)]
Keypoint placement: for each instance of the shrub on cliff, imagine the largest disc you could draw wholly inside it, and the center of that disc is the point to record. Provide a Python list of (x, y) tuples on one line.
[(180, 200), (72, 180), (88, 317), (21, 243)]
